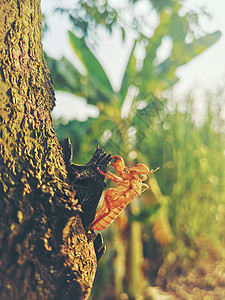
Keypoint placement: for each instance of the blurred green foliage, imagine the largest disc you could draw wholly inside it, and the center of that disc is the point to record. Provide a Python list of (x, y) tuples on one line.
[(185, 200), (191, 160), (86, 15)]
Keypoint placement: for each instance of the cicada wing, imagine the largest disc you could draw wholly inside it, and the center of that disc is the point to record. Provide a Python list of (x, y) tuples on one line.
[(103, 218)]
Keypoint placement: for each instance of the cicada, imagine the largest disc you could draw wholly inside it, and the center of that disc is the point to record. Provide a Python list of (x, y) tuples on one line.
[(129, 184)]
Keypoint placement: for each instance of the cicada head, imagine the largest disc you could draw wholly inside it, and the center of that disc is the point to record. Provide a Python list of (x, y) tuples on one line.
[(118, 164), (141, 170)]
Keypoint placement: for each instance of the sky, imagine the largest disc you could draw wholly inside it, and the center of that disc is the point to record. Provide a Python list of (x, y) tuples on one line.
[(207, 71), (202, 73)]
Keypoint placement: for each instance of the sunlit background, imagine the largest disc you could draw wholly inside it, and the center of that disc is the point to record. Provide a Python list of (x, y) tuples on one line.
[(145, 80), (203, 73)]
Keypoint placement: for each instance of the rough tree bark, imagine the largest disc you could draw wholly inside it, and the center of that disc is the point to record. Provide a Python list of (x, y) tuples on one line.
[(44, 251)]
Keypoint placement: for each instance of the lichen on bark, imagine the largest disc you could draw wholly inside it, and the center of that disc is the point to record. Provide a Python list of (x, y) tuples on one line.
[(44, 251)]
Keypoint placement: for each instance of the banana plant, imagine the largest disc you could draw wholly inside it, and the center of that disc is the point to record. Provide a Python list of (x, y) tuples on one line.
[(128, 134)]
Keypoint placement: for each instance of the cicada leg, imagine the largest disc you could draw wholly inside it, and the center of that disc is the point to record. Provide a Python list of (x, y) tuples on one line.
[(111, 176), (144, 187)]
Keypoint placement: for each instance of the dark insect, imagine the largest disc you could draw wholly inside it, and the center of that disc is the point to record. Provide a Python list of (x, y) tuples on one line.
[(87, 180), (88, 183), (98, 244)]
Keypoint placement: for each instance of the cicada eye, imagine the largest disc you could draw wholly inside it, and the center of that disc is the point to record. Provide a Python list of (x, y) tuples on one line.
[(142, 176)]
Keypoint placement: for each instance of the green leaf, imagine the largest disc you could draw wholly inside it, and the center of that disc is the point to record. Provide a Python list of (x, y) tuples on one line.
[(200, 45), (147, 74), (66, 77), (95, 71), (123, 33), (129, 73), (182, 54)]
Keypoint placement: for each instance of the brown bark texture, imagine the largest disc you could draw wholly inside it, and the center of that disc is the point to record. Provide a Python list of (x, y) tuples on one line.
[(44, 250)]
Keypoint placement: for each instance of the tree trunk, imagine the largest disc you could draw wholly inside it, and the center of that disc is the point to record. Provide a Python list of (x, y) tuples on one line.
[(44, 251)]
